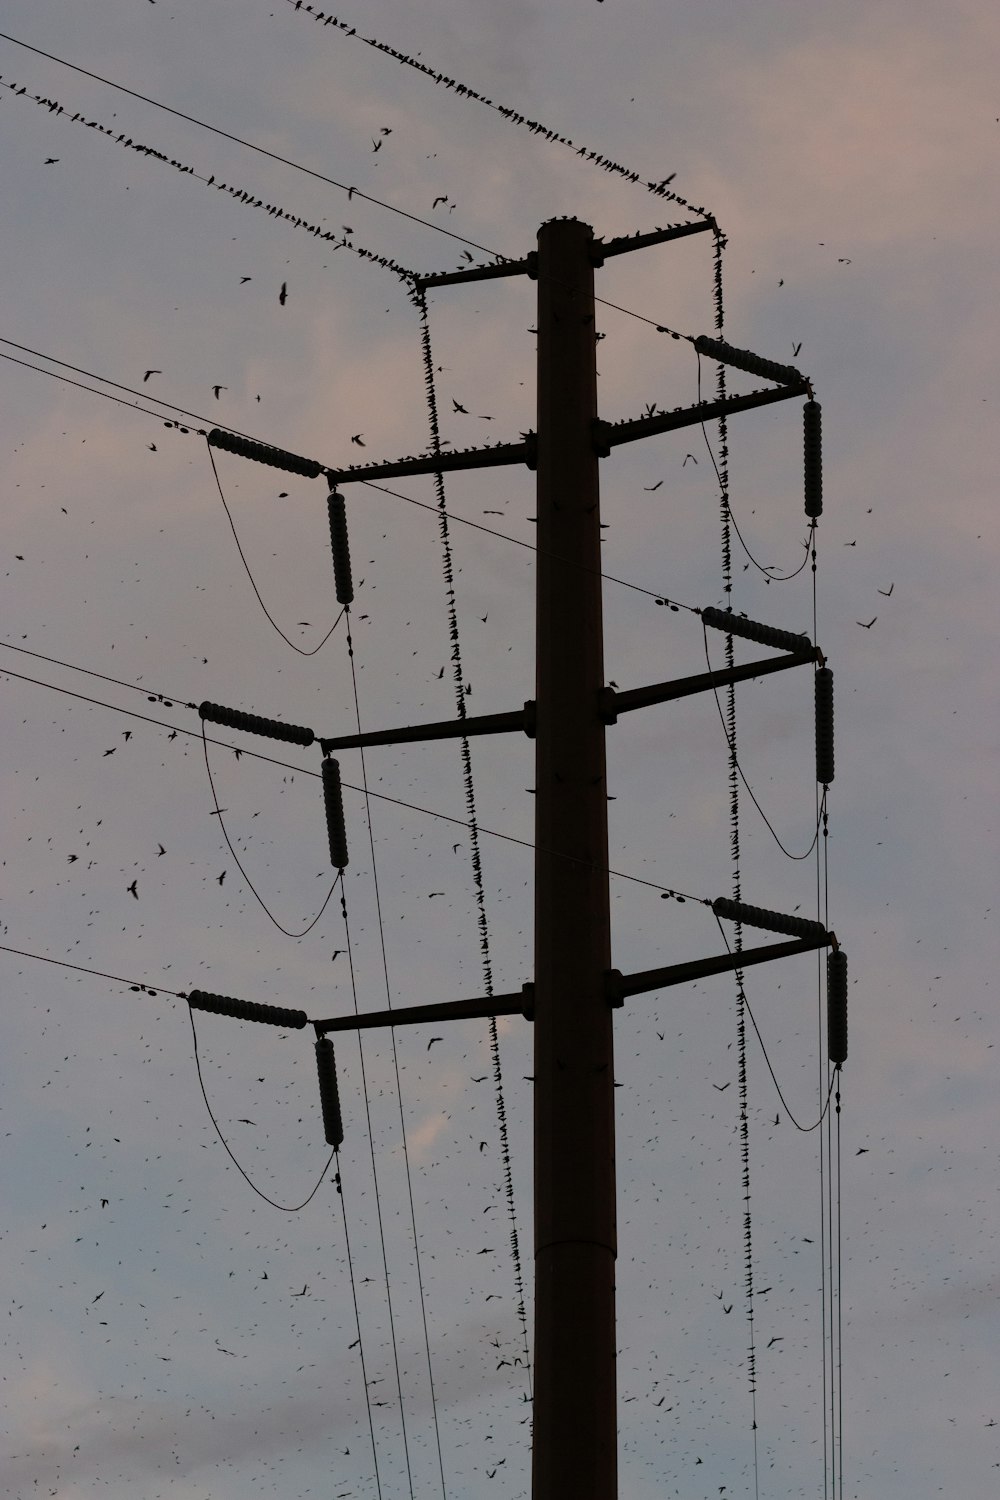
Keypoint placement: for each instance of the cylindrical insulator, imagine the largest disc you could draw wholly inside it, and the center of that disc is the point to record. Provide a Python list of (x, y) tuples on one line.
[(333, 797), (744, 359), (824, 726), (263, 453), (329, 1095), (247, 1010), (772, 921), (767, 635), (812, 442), (341, 551), (836, 1005), (233, 718)]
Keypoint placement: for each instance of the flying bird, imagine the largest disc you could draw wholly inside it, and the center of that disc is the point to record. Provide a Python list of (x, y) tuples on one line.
[(132, 889), (245, 279), (649, 488), (688, 456), (459, 407), (778, 1338), (303, 1291), (50, 161), (795, 350), (442, 199), (432, 1041), (887, 593), (871, 622), (377, 145), (357, 439), (151, 372), (218, 388), (722, 1086), (283, 294)]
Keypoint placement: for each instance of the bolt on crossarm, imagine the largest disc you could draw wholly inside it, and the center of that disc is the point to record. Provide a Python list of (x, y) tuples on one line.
[(575, 1409)]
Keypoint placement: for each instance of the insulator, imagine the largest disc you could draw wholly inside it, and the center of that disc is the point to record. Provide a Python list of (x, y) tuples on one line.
[(247, 1010), (767, 635), (329, 1095), (824, 726), (233, 718), (263, 453), (812, 441), (836, 1005), (333, 797), (744, 359), (772, 921), (341, 551)]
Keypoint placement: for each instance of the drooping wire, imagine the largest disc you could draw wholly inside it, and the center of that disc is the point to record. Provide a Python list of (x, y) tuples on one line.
[(300, 649), (357, 1323), (774, 1077), (260, 900), (722, 471), (284, 765), (769, 573), (660, 189), (284, 1207), (420, 301), (739, 768), (399, 1092)]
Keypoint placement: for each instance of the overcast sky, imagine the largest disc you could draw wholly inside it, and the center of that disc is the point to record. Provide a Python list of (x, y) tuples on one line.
[(168, 1332)]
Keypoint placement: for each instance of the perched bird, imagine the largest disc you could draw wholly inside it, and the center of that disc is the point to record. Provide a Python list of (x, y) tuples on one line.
[(283, 294)]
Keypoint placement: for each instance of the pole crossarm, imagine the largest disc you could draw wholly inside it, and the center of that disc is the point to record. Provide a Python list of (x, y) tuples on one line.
[(475, 273), (444, 729), (619, 986), (608, 435), (622, 244), (440, 463), (517, 1003), (618, 702)]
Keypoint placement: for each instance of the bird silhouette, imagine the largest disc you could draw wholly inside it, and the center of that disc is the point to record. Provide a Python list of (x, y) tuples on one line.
[(432, 1041), (887, 593), (132, 889), (221, 878), (283, 294), (245, 279), (442, 199), (689, 456), (357, 439), (151, 372), (377, 145), (721, 1086), (218, 388), (795, 350), (649, 488), (459, 407), (871, 622)]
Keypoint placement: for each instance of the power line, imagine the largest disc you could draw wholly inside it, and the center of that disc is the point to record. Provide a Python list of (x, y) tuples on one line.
[(663, 890), (240, 141)]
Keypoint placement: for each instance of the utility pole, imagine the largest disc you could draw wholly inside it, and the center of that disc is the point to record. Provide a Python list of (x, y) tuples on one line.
[(574, 992), (575, 1412)]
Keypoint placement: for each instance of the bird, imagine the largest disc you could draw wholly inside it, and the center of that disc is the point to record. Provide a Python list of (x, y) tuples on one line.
[(218, 388), (377, 145), (283, 294), (851, 544), (726, 1309), (649, 488), (482, 1145), (151, 447), (439, 674), (722, 1086), (250, 1122), (357, 439), (303, 1291), (481, 1080), (455, 848), (871, 622), (245, 279), (795, 350), (432, 1041), (385, 129), (104, 1202), (778, 1338), (442, 199), (459, 407), (221, 878), (151, 372), (97, 1298), (887, 593), (335, 955), (434, 893), (689, 456), (861, 1151), (467, 255), (132, 889), (50, 161)]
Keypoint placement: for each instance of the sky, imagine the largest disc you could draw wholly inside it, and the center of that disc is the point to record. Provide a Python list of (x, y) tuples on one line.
[(170, 1333)]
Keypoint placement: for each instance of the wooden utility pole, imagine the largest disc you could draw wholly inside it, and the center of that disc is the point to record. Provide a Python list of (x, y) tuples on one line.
[(575, 1413)]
